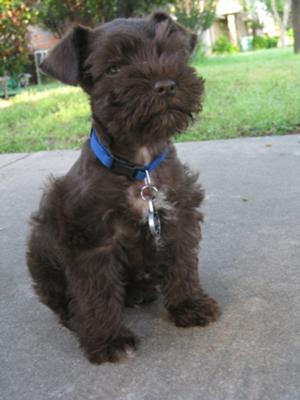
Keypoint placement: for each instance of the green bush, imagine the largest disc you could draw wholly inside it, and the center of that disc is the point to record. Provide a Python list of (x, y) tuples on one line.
[(223, 46), (15, 16), (264, 42), (290, 33), (259, 42), (193, 16), (272, 42)]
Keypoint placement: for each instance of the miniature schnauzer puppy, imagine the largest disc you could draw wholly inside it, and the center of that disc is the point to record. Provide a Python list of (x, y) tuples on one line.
[(124, 223)]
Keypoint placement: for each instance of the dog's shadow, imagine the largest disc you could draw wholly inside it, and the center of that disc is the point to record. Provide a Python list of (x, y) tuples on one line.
[(152, 323), (144, 319)]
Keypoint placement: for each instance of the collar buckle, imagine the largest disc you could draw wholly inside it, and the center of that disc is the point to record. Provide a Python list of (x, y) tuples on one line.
[(123, 167)]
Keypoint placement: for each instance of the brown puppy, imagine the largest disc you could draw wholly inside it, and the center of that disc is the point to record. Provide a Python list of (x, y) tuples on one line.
[(95, 245)]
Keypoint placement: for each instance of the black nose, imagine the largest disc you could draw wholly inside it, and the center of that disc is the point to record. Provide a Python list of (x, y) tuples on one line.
[(166, 87)]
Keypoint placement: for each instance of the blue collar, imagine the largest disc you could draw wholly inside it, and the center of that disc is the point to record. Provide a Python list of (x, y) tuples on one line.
[(119, 165)]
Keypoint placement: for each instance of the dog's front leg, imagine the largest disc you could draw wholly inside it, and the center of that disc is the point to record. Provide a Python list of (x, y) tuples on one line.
[(187, 303), (98, 294)]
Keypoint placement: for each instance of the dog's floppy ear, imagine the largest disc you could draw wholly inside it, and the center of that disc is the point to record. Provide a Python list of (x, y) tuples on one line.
[(193, 41), (65, 61), (161, 16)]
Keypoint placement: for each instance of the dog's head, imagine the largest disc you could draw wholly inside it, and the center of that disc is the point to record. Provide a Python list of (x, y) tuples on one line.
[(136, 73)]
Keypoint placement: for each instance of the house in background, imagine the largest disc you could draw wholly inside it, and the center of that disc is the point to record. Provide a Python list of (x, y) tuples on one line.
[(234, 22), (40, 41), (231, 21)]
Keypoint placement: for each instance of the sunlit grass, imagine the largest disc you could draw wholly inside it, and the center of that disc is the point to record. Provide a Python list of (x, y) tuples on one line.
[(49, 117), (249, 94)]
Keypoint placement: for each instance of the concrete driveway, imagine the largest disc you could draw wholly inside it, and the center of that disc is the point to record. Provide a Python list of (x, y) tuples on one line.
[(250, 262)]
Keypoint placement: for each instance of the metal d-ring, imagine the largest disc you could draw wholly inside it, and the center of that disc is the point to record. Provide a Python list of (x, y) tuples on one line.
[(152, 195)]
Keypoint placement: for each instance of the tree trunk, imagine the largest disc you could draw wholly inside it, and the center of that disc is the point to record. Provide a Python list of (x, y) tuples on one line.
[(187, 7), (281, 22), (296, 24), (286, 13)]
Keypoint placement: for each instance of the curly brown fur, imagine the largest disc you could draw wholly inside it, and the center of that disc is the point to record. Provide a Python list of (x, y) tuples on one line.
[(90, 252)]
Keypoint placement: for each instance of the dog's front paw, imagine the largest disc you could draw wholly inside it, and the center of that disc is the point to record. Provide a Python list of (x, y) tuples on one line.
[(116, 350), (195, 312)]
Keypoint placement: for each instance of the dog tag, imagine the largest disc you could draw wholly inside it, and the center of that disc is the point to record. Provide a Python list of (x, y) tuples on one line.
[(153, 220), (148, 194)]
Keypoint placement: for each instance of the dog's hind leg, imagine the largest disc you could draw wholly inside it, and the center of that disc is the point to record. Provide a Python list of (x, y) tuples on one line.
[(45, 268)]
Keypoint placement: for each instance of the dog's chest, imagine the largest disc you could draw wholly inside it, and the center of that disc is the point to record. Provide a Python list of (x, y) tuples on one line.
[(138, 205)]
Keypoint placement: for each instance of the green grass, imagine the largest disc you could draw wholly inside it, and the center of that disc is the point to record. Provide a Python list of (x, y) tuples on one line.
[(250, 94), (47, 117)]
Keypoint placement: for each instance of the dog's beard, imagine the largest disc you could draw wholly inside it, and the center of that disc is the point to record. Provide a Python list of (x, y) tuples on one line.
[(144, 127), (166, 123)]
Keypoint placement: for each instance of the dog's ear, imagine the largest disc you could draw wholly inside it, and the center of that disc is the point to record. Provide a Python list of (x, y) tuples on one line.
[(193, 41), (161, 16), (65, 61)]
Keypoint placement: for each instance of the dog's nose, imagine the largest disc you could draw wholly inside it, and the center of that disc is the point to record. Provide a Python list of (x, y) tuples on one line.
[(166, 87)]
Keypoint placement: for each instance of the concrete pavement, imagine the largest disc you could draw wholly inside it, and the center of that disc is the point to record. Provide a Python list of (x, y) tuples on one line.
[(250, 262)]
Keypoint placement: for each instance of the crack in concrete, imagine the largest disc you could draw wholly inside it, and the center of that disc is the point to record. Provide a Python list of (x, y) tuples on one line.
[(14, 161)]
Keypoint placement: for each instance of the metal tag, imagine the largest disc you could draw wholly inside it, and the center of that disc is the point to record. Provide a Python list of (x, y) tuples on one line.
[(153, 220), (148, 194)]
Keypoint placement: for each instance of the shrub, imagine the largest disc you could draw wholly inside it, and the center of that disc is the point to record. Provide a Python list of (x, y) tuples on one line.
[(259, 42), (192, 16), (223, 45), (15, 16), (290, 33), (58, 15), (264, 42), (272, 42)]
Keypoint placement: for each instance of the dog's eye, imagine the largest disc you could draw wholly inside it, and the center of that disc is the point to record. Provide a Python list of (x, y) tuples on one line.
[(114, 69)]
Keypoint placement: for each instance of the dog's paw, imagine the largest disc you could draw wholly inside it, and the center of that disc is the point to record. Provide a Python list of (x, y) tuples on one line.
[(121, 347), (195, 312)]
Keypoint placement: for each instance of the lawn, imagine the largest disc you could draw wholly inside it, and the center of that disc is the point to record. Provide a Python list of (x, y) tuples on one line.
[(250, 94)]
